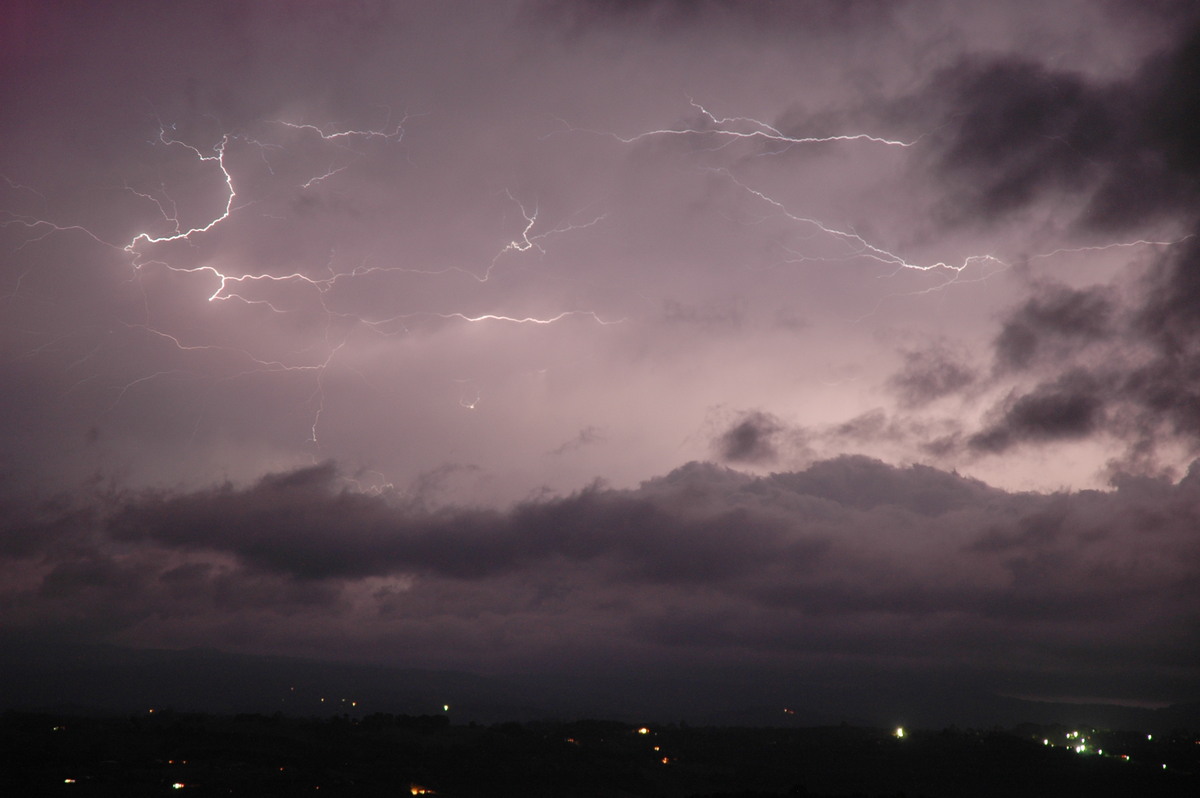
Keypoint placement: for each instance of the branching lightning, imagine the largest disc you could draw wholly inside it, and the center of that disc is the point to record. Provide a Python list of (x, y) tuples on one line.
[(731, 129), (144, 247), (339, 150)]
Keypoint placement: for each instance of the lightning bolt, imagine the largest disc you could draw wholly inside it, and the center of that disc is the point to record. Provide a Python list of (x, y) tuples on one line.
[(1141, 242), (335, 152), (740, 128), (218, 158), (396, 134), (147, 249), (729, 130)]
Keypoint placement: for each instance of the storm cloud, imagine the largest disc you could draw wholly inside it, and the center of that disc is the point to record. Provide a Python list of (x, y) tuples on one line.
[(846, 556)]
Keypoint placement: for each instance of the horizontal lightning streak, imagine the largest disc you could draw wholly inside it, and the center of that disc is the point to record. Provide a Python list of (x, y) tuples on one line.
[(860, 247), (1141, 242), (396, 134), (528, 319), (723, 127), (734, 128)]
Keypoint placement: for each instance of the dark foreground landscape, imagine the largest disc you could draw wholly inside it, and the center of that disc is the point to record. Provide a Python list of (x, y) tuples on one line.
[(164, 752)]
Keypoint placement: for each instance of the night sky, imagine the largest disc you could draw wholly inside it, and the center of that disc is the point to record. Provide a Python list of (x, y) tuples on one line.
[(783, 337)]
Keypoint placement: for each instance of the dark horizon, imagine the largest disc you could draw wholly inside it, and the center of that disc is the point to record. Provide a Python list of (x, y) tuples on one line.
[(111, 681), (381, 754)]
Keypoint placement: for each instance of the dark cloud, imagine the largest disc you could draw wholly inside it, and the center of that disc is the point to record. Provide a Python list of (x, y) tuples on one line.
[(1017, 129), (1070, 407), (304, 525), (759, 438), (1127, 368), (1158, 167), (586, 437), (1056, 315), (31, 525), (754, 438), (1115, 359), (929, 374), (848, 555), (1170, 314), (864, 483)]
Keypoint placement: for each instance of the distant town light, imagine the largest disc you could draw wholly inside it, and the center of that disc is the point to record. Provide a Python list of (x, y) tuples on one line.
[(445, 707), (900, 731), (1045, 742), (1149, 736), (68, 781), (179, 785), (643, 730), (666, 760)]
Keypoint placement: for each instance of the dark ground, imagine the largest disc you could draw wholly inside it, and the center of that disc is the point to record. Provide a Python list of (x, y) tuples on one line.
[(385, 754)]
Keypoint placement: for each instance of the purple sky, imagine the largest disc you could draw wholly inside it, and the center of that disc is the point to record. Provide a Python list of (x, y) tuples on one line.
[(516, 335)]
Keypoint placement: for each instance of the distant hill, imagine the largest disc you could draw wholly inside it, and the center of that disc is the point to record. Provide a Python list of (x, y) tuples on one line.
[(107, 679)]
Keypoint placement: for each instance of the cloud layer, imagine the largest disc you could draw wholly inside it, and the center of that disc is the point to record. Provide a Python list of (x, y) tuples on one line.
[(850, 560)]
